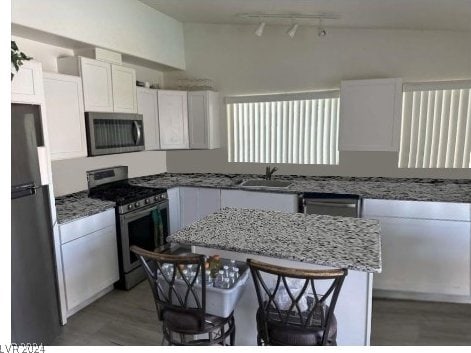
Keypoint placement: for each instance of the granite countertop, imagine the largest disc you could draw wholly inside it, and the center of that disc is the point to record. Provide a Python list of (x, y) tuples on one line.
[(412, 189), (77, 205), (345, 242), (74, 206)]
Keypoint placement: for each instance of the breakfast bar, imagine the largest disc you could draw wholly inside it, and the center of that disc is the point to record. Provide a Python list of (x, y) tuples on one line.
[(298, 241)]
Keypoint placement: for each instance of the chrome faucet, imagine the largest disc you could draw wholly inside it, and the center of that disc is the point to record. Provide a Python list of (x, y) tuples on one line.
[(269, 172)]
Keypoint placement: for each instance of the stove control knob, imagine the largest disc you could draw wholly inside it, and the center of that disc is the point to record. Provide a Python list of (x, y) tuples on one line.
[(129, 207), (163, 196), (137, 204), (157, 198), (147, 201)]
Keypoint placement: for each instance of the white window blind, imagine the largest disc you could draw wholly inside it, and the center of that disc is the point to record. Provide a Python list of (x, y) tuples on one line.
[(436, 125), (293, 128)]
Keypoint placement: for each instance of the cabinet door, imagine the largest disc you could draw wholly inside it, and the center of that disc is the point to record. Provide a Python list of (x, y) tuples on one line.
[(97, 87), (174, 209), (198, 115), (124, 89), (147, 106), (425, 256), (65, 116), (209, 201), (188, 206), (259, 200), (173, 119), (197, 203), (90, 265), (27, 85), (370, 115)]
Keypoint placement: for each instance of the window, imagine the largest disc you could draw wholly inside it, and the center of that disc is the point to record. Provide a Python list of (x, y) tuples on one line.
[(436, 125), (297, 128)]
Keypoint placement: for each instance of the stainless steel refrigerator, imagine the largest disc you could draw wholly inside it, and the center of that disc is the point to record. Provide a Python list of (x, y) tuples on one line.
[(34, 295)]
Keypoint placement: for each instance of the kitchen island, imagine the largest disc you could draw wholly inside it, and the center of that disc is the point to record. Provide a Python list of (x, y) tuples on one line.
[(299, 241)]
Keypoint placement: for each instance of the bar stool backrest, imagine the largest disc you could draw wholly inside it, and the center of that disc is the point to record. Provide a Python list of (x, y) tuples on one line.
[(176, 296), (302, 307)]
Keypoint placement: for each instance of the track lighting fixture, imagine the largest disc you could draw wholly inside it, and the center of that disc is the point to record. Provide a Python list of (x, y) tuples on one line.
[(296, 19), (260, 29), (321, 32), (292, 31)]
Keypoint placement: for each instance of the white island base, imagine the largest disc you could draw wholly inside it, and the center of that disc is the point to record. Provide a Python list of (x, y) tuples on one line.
[(353, 310)]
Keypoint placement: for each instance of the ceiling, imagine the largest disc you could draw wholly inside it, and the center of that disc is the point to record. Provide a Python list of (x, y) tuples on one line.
[(453, 15)]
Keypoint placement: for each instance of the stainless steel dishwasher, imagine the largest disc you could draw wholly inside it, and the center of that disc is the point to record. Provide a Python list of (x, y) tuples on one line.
[(346, 205)]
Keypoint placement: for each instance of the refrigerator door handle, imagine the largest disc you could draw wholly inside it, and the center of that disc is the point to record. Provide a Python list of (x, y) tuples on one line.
[(23, 190)]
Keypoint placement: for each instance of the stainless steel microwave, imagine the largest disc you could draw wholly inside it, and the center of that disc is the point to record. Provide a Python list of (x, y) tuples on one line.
[(109, 133)]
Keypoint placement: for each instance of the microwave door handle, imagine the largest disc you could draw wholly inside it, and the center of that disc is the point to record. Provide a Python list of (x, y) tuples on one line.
[(138, 132)]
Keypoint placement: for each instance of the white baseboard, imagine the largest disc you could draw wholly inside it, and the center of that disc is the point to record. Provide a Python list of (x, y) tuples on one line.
[(390, 294)]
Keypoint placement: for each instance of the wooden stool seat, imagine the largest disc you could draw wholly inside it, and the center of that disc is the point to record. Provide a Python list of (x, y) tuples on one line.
[(291, 310), (182, 306)]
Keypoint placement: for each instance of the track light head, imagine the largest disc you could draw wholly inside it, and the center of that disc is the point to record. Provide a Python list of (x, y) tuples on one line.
[(260, 28), (321, 32), (292, 31)]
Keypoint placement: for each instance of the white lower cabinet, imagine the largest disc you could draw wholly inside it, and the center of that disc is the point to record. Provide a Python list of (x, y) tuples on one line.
[(426, 248), (269, 201), (89, 257), (197, 203), (174, 209), (425, 256)]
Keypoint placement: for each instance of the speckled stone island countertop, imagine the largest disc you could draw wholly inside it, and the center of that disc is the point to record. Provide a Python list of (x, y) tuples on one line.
[(346, 242), (77, 205)]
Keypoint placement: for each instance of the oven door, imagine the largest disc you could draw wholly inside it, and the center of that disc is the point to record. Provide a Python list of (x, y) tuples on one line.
[(147, 228)]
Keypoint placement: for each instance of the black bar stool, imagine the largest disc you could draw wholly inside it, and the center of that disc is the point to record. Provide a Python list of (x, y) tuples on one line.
[(291, 311), (181, 305)]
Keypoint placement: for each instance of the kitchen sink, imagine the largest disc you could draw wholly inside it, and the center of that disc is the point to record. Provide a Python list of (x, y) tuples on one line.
[(262, 183)]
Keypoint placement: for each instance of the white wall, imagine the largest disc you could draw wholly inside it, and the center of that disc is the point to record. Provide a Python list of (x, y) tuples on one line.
[(241, 63), (126, 26), (70, 175)]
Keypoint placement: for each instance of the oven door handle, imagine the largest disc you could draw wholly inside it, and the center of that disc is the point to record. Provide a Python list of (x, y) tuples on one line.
[(137, 214)]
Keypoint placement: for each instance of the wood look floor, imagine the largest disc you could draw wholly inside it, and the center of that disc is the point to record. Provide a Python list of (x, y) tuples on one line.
[(129, 318)]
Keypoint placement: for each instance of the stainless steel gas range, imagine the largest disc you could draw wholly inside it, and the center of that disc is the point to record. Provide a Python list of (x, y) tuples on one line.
[(142, 217)]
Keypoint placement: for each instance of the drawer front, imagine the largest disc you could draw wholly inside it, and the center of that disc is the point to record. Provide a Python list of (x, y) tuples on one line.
[(86, 225), (417, 209)]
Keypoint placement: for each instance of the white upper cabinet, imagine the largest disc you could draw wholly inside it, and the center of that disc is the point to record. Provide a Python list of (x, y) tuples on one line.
[(173, 119), (147, 106), (370, 115), (66, 121), (124, 89), (203, 122), (27, 85), (97, 87), (106, 87)]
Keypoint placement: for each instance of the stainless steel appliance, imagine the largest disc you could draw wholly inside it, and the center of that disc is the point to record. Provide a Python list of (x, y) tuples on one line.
[(346, 205), (142, 218), (34, 296), (109, 133)]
